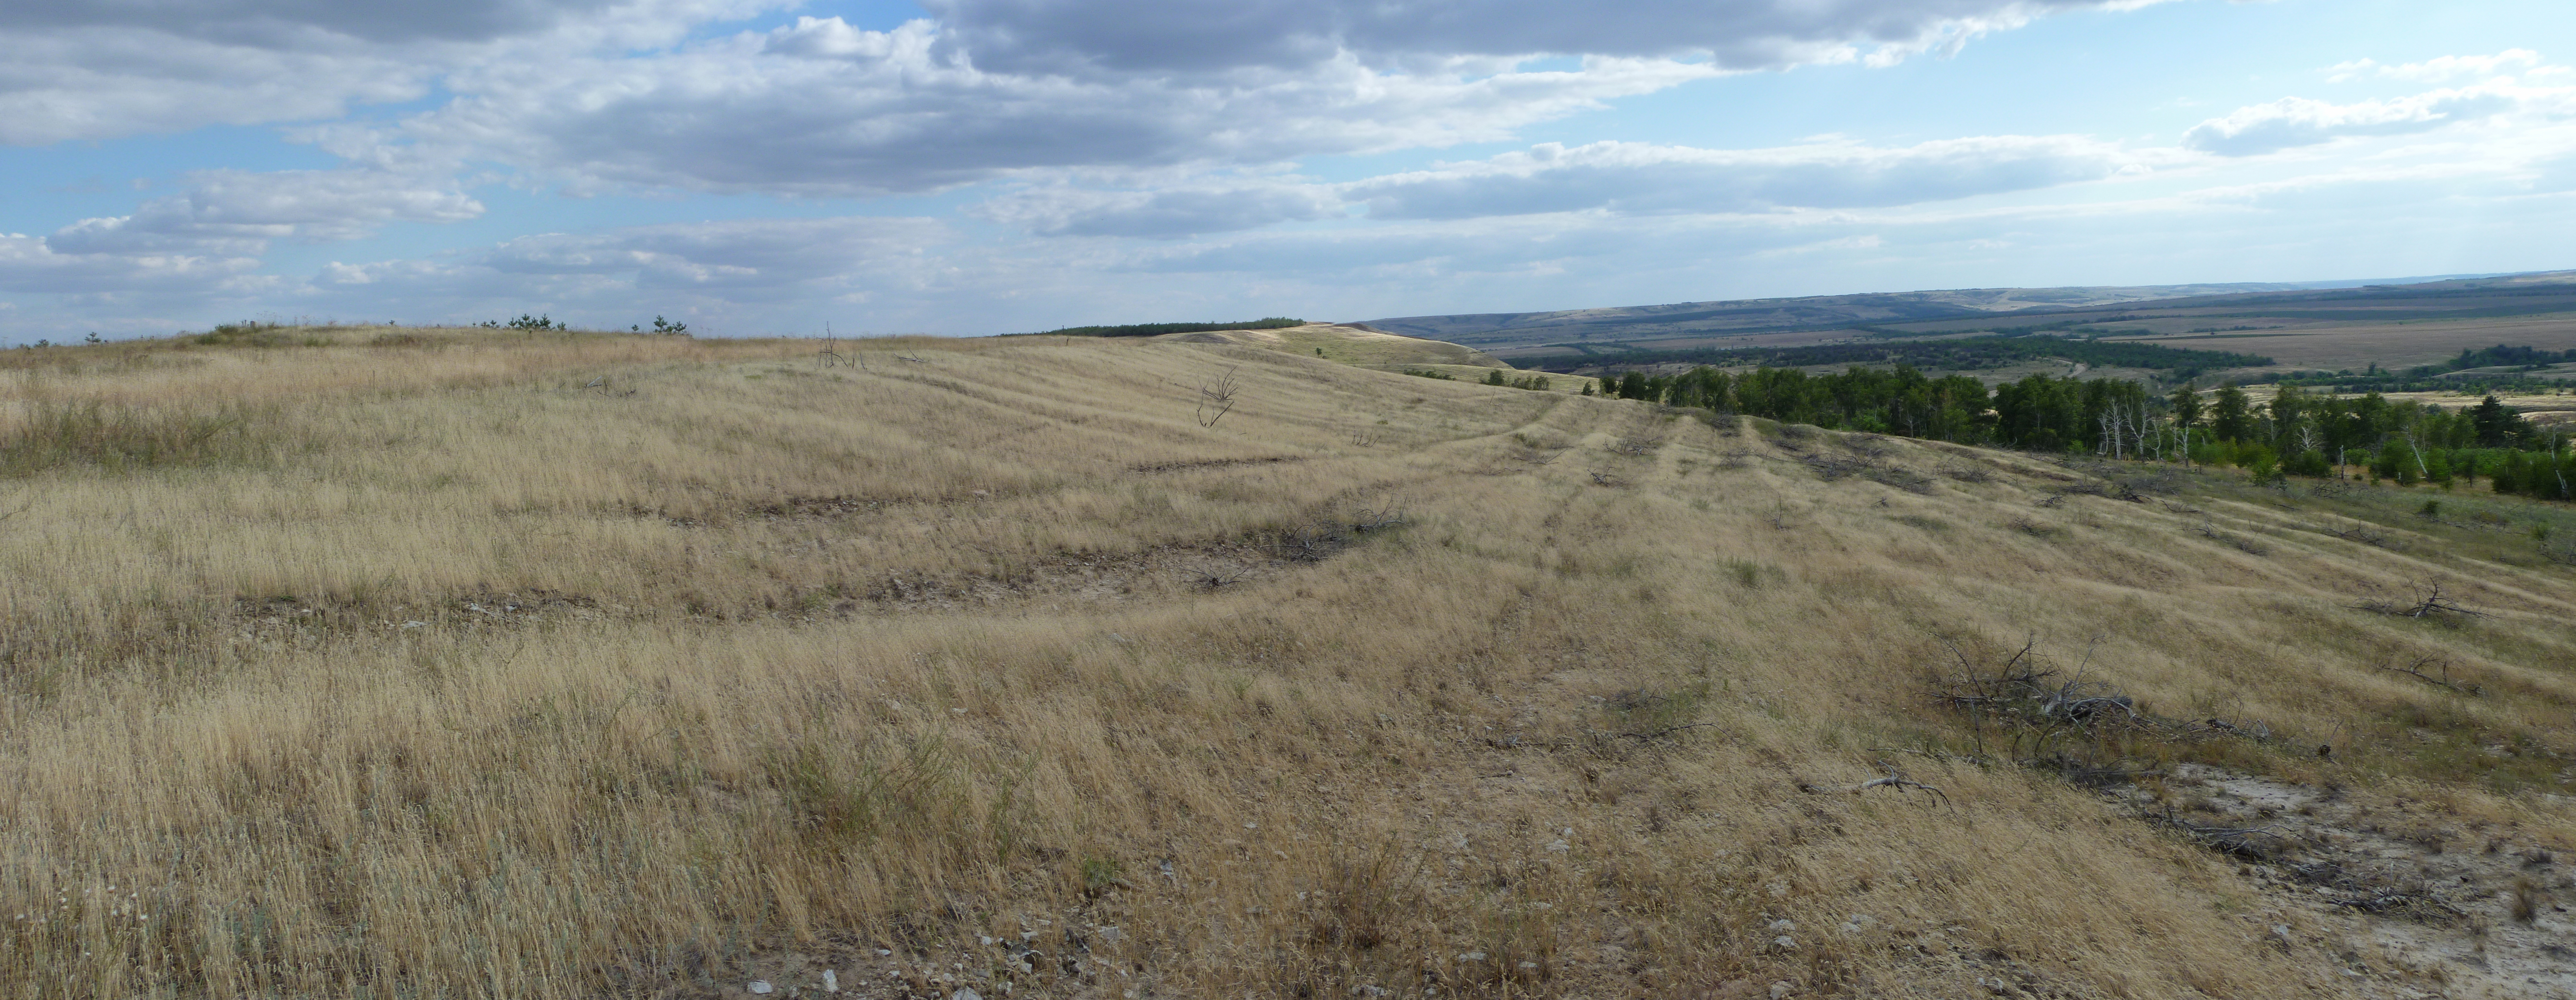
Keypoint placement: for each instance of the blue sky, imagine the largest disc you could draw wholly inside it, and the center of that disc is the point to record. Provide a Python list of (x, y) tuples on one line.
[(981, 166)]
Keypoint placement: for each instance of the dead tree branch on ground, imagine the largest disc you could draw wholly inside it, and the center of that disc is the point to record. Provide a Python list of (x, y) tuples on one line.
[(1219, 397), (2429, 601), (1891, 777)]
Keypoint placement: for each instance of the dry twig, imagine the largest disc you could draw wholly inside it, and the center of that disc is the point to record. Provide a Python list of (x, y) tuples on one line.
[(2429, 601), (1891, 777)]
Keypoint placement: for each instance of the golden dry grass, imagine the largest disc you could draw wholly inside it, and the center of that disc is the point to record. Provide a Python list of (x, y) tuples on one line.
[(1350, 346), (491, 666)]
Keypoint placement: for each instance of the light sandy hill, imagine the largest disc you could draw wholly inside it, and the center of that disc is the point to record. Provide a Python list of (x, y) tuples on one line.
[(1349, 345), (581, 666)]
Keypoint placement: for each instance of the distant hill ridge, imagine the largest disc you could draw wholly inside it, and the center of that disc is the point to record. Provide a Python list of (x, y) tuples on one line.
[(1686, 319)]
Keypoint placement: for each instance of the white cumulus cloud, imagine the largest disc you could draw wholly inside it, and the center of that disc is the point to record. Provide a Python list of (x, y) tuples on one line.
[(2435, 70), (2298, 121)]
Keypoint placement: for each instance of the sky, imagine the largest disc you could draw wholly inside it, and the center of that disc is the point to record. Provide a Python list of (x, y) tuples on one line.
[(754, 167)]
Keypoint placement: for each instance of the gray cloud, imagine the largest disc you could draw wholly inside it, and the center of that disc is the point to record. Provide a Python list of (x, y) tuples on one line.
[(1165, 213), (236, 213), (740, 260), (1613, 177), (822, 109), (1123, 36), (97, 70), (31, 264)]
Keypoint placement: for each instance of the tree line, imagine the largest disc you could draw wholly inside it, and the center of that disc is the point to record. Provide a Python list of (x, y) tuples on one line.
[(2297, 432)]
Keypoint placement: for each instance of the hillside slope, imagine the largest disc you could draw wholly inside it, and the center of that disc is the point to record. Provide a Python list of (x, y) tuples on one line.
[(1350, 344), (439, 663)]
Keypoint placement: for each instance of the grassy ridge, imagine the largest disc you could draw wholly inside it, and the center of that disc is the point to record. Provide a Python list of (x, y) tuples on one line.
[(1159, 329)]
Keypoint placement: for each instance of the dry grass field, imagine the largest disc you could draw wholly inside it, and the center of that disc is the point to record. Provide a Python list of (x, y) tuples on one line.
[(1350, 346), (379, 663)]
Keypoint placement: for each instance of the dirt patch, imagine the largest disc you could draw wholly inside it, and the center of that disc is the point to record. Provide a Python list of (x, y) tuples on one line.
[(2408, 898)]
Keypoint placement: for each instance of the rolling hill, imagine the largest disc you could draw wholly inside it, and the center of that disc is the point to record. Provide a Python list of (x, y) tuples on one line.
[(368, 662), (2163, 310)]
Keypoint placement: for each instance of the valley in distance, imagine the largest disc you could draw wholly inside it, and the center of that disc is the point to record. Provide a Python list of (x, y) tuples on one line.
[(2197, 641)]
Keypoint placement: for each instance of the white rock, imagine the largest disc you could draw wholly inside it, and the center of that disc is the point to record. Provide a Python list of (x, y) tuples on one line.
[(986, 941), (1109, 935), (831, 981), (1473, 956), (1785, 942), (965, 995), (1780, 990), (883, 952), (758, 986), (1783, 926), (1559, 846)]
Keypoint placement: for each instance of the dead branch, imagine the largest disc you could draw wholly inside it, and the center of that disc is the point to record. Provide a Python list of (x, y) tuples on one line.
[(1220, 397), (1891, 777), (2416, 670), (2429, 600), (1600, 478), (1385, 515), (2239, 841), (1661, 733)]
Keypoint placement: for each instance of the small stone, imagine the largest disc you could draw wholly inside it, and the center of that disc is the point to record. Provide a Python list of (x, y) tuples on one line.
[(1785, 943), (883, 952), (758, 986), (1559, 846), (831, 981), (965, 995), (985, 940), (1109, 935), (1473, 956), (1783, 926), (1780, 990)]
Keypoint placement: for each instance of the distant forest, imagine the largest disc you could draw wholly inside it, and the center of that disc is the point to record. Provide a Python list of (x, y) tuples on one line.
[(2297, 433), (1159, 329), (1966, 354)]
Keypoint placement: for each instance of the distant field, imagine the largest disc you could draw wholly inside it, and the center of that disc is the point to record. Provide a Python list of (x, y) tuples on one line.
[(2334, 346), (2308, 329)]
